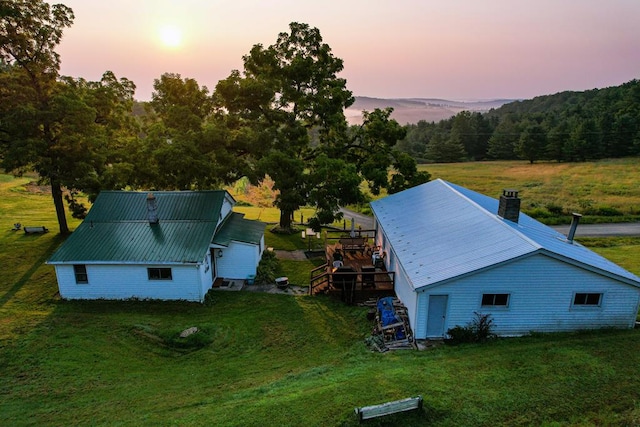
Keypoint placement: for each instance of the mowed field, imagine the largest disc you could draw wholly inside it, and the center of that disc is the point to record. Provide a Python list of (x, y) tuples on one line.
[(277, 360), (576, 187)]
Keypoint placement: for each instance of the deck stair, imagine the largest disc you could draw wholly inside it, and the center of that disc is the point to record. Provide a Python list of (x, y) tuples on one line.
[(320, 280)]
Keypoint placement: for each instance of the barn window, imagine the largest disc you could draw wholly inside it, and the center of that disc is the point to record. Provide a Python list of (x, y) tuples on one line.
[(159, 273), (587, 299), (495, 300), (80, 271)]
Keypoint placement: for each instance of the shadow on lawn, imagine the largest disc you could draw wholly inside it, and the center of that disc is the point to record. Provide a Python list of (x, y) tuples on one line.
[(55, 242)]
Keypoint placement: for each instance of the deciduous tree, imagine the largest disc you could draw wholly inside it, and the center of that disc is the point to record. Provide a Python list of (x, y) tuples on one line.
[(70, 131), (285, 91), (290, 102), (30, 30)]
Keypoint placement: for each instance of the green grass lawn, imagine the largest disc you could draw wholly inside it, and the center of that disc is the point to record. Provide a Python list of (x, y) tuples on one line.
[(298, 272), (264, 359)]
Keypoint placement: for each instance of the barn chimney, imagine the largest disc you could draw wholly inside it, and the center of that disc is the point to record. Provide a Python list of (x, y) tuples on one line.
[(574, 226), (509, 207), (152, 209)]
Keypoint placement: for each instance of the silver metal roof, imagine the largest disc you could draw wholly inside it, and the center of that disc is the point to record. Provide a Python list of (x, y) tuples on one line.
[(440, 231)]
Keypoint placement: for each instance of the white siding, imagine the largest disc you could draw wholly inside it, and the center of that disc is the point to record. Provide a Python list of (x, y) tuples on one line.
[(261, 249), (130, 281), (541, 293), (404, 291), (408, 296), (206, 274), (227, 207), (238, 261)]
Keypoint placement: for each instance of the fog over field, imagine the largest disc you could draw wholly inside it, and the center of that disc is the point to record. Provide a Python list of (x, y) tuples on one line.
[(412, 110)]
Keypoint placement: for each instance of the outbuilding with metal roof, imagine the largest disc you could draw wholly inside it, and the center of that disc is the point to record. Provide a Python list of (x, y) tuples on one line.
[(168, 245), (457, 252)]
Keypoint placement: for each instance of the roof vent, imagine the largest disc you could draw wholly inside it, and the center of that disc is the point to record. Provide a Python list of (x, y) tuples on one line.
[(509, 207), (574, 226), (152, 209)]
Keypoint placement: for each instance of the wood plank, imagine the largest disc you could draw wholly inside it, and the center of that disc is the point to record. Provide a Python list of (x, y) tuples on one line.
[(388, 408)]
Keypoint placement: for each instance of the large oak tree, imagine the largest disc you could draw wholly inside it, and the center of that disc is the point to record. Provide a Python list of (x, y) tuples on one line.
[(29, 34), (285, 91), (289, 102), (70, 131)]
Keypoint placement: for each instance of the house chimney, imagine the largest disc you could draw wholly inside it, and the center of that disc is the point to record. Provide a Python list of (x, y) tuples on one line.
[(509, 207), (574, 226), (152, 209)]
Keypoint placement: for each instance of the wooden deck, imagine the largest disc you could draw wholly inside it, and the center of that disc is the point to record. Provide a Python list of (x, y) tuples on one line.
[(358, 279)]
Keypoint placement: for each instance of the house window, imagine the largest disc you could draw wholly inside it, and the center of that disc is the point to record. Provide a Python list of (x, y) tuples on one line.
[(587, 299), (80, 271), (159, 273), (495, 300)]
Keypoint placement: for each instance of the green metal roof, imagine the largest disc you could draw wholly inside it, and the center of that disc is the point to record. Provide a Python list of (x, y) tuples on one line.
[(117, 230), (236, 228), (113, 206)]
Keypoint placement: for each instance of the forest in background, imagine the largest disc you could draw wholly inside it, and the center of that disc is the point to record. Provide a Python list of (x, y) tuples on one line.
[(566, 127)]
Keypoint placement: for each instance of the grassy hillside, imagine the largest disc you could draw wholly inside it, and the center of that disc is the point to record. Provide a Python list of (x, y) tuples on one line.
[(263, 359), (606, 189)]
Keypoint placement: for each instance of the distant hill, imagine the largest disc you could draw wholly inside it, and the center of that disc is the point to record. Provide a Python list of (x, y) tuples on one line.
[(567, 126), (412, 110)]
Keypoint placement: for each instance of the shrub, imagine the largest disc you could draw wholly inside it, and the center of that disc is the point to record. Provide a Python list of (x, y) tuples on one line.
[(555, 209), (209, 298), (460, 334), (482, 325), (478, 330), (608, 211), (366, 210), (267, 268), (538, 213)]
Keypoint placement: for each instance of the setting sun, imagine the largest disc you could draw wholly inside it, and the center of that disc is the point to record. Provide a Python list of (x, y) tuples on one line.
[(170, 36)]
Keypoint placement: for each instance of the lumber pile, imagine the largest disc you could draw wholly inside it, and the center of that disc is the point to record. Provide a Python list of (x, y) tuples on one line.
[(391, 330)]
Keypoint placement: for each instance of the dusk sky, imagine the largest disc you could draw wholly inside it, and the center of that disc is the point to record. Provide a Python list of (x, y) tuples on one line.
[(452, 49)]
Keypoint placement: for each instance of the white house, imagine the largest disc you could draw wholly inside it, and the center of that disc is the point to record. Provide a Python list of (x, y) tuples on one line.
[(456, 252), (167, 245)]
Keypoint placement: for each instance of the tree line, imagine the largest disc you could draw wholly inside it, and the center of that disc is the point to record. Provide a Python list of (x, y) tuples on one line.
[(566, 127), (281, 116)]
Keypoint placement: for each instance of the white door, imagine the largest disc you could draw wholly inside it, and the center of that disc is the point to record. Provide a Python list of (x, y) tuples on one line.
[(436, 316)]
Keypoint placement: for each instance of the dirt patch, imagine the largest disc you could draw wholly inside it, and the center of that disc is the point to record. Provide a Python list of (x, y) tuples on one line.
[(273, 289), (33, 188), (291, 255)]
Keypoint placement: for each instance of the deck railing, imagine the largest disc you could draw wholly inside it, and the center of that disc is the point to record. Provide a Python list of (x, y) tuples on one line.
[(351, 285), (365, 279), (334, 236), (358, 286)]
